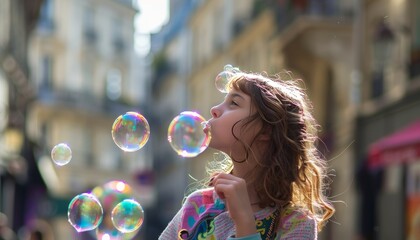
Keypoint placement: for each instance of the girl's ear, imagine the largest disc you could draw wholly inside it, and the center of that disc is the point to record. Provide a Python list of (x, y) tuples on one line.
[(264, 137), (265, 134)]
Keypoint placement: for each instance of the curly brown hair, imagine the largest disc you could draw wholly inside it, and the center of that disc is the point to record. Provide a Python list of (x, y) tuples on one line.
[(291, 171)]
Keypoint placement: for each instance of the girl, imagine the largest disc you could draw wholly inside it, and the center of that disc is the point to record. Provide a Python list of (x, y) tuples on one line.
[(275, 186)]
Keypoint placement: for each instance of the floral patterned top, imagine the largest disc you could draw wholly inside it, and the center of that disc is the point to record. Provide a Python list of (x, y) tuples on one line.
[(204, 216)]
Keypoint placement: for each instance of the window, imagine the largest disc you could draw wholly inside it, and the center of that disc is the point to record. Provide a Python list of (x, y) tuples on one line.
[(87, 145), (46, 18), (414, 65), (113, 84), (4, 23), (382, 44), (4, 98), (108, 155), (218, 28), (416, 27), (117, 36), (46, 77), (89, 31), (88, 75)]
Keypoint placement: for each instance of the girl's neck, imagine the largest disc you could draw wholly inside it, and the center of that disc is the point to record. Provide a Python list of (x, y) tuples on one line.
[(242, 169), (253, 196)]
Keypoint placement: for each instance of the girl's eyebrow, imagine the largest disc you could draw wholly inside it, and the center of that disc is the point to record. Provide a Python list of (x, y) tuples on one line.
[(233, 95)]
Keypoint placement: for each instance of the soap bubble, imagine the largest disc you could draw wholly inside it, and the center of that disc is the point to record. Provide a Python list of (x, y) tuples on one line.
[(186, 134), (223, 78), (110, 195), (127, 216), (61, 154), (130, 131), (85, 212)]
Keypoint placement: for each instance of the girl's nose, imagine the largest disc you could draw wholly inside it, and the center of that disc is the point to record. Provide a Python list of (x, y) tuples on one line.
[(215, 112)]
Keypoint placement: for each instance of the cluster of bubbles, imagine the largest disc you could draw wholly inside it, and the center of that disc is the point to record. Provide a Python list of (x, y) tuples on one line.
[(111, 209)]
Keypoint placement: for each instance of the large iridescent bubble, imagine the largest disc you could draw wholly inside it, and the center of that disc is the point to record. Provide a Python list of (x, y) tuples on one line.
[(186, 134), (127, 216), (110, 195), (85, 212), (130, 131), (223, 78), (61, 154)]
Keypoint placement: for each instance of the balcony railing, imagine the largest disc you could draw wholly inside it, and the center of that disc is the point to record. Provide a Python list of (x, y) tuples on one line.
[(287, 11), (82, 100)]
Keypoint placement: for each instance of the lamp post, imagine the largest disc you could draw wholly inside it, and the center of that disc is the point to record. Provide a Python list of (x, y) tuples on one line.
[(382, 45)]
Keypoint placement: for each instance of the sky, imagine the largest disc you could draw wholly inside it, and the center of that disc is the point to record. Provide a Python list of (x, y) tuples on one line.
[(153, 14)]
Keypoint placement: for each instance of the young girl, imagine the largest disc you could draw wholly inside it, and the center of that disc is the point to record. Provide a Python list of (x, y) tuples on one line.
[(275, 187)]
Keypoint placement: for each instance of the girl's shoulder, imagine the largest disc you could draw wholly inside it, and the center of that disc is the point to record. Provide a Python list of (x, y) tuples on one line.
[(297, 220), (203, 196), (296, 214)]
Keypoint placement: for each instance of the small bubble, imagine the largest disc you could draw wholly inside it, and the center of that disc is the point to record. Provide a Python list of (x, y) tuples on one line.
[(85, 212), (127, 216), (61, 154)]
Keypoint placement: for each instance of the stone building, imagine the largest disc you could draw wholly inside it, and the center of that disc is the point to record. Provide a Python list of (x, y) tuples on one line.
[(19, 176), (85, 74), (387, 123)]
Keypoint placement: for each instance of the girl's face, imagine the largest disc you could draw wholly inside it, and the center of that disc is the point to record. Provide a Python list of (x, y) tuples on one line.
[(235, 107)]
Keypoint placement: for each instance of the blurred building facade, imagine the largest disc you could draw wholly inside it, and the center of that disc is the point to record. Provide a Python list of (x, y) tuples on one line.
[(85, 74), (19, 176), (388, 121), (359, 61)]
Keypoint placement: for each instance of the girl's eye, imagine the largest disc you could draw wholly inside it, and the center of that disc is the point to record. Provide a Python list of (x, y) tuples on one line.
[(234, 103)]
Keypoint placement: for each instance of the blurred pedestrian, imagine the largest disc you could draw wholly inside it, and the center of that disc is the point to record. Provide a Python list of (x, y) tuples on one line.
[(6, 233)]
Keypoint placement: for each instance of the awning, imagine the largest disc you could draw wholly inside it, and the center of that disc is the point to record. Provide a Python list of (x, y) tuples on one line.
[(400, 147)]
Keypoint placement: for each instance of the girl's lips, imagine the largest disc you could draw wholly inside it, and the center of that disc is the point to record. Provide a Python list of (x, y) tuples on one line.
[(206, 127)]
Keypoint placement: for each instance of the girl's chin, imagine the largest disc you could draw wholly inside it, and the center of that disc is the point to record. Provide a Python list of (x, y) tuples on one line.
[(213, 145)]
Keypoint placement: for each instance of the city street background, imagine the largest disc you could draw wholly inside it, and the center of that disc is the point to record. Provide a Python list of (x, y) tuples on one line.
[(70, 68)]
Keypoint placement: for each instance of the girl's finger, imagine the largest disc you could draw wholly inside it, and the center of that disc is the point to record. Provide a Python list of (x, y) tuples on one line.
[(227, 176), (222, 189)]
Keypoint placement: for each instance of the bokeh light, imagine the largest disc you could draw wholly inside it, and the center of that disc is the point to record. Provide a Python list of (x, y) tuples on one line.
[(186, 134), (85, 212), (127, 216), (130, 131), (110, 195), (61, 154)]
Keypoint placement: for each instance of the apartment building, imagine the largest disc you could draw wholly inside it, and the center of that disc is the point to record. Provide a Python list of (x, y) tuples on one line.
[(18, 172), (86, 74), (387, 124)]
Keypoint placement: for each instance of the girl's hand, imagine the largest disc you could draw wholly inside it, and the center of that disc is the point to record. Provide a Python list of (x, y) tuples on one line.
[(233, 191)]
